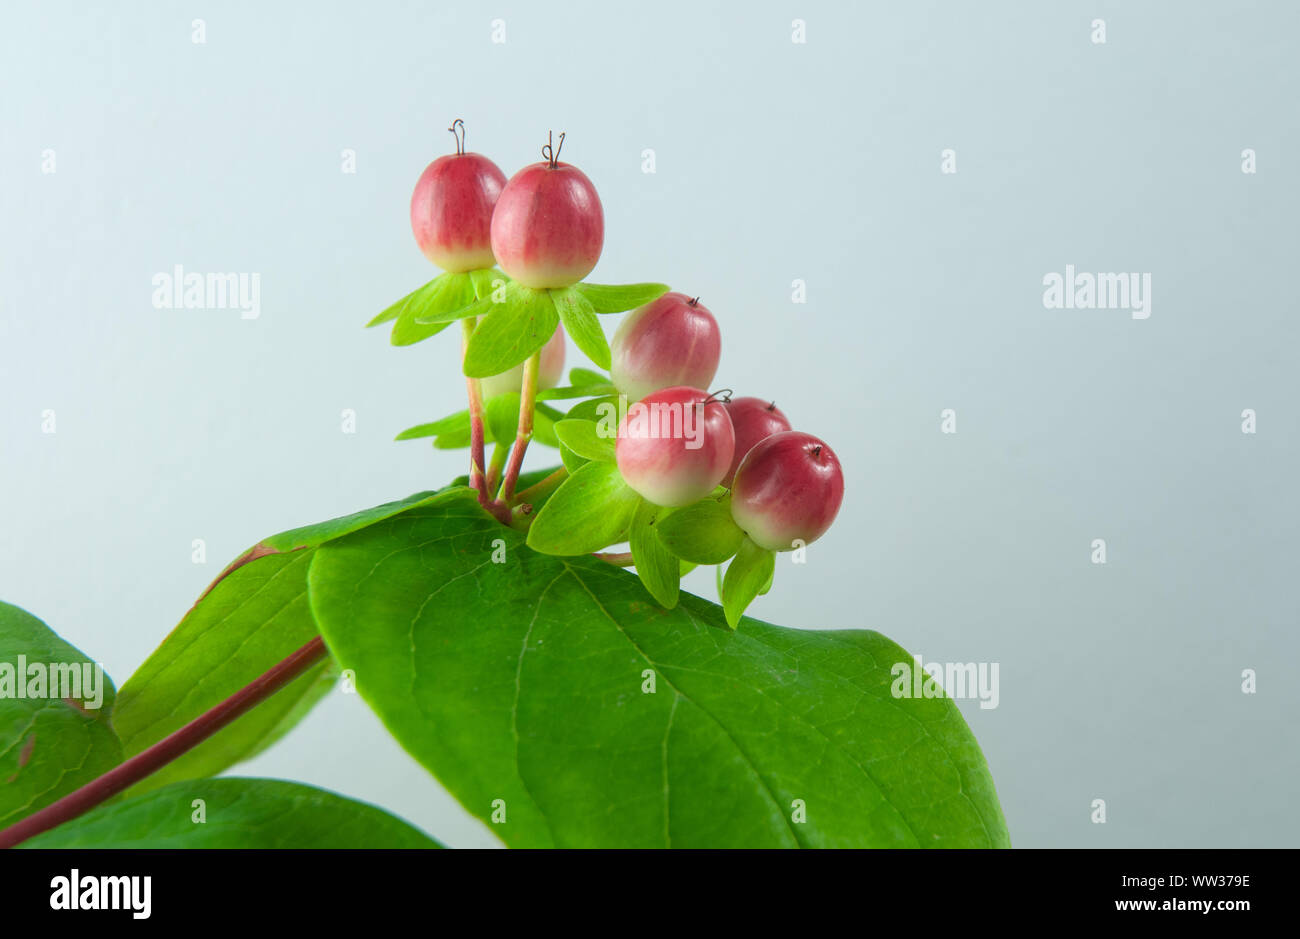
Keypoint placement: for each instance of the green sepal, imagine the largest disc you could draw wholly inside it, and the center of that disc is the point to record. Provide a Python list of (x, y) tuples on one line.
[(594, 410), (703, 533), (581, 438), (591, 510), (615, 298), (445, 295), (510, 331), (582, 325), (576, 391), (579, 376), (659, 570), (746, 575)]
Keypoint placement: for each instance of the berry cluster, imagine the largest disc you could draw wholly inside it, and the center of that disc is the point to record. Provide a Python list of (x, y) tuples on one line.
[(685, 476)]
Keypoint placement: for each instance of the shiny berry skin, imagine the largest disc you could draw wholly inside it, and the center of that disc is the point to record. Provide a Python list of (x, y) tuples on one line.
[(550, 368), (548, 227), (673, 340), (674, 446), (754, 419), (789, 487), (451, 211)]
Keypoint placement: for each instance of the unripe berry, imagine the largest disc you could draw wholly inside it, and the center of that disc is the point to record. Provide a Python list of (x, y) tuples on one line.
[(673, 340), (451, 211), (789, 487), (674, 446), (550, 368), (754, 419), (548, 227)]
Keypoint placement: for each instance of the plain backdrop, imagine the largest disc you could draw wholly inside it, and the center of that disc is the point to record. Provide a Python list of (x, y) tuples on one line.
[(775, 161)]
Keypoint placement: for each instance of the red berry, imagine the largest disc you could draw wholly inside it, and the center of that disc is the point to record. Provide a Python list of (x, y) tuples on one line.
[(789, 487), (451, 211), (548, 227), (754, 419), (549, 370), (673, 340), (674, 446)]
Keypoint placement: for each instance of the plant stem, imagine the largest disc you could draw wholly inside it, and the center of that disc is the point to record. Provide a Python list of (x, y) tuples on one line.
[(127, 774), (617, 558), (543, 487), (496, 466), (476, 448), (527, 401)]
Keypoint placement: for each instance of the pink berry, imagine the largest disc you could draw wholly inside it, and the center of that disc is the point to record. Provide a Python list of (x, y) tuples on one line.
[(789, 487), (549, 370), (673, 340), (548, 227), (674, 446), (451, 211), (754, 419)]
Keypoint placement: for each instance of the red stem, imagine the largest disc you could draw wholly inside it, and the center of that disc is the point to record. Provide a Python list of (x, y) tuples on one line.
[(127, 774), (476, 447), (527, 401)]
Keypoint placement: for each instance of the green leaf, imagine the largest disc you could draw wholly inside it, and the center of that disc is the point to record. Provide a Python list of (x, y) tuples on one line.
[(579, 376), (501, 417), (251, 620), (254, 616), (487, 279), (445, 293), (581, 437), (452, 423), (591, 510), (511, 332), (570, 459), (702, 533), (237, 813), (457, 439), (577, 391), (608, 298), (749, 571), (314, 535), (597, 409), (528, 682), (657, 569), (49, 744), (580, 322), (544, 428)]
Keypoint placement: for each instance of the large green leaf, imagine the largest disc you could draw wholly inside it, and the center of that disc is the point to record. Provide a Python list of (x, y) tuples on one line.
[(253, 617), (251, 620), (236, 813), (525, 685), (49, 746)]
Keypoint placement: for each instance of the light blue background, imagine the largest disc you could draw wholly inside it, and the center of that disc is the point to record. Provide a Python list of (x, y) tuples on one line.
[(775, 161)]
